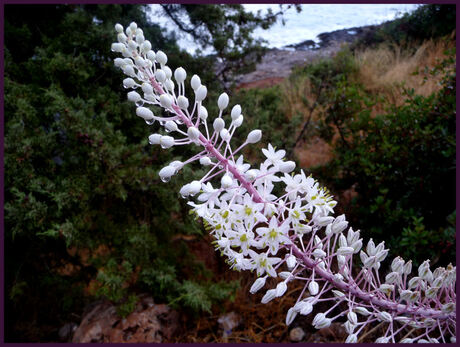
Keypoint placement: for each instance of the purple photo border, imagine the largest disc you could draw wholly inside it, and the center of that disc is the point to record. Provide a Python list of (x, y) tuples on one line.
[(2, 119)]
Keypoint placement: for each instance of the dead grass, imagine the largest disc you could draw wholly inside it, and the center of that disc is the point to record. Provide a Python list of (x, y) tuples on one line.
[(387, 69)]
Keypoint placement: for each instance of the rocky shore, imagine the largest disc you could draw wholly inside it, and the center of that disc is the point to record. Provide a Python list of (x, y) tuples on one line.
[(277, 64)]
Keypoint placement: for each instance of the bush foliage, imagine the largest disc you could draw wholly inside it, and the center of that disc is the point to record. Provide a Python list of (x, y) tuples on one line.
[(84, 206)]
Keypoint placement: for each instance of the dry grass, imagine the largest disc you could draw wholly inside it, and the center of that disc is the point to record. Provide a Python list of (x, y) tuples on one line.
[(387, 69)]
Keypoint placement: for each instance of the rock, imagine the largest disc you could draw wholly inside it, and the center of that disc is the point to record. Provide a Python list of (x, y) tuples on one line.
[(66, 331), (296, 334), (147, 324)]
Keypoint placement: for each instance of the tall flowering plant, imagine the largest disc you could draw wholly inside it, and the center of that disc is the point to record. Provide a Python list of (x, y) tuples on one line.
[(292, 237)]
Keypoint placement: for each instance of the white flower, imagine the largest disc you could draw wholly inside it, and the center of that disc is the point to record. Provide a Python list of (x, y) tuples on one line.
[(274, 235), (273, 157), (262, 263)]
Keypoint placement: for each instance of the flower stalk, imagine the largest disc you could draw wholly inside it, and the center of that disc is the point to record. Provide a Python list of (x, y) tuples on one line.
[(294, 237)]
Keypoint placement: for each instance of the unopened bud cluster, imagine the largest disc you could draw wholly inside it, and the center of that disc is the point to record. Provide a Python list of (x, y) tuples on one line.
[(292, 237)]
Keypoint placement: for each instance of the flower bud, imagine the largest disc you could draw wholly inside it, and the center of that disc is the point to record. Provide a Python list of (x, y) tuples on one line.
[(200, 93), (182, 102), (144, 112), (167, 172), (357, 246), (370, 249), (251, 175), (185, 190), (352, 317), (345, 251), (362, 311), (177, 164), (165, 100), (166, 141), (140, 38), (119, 62), (180, 75), (353, 338), (167, 71), (147, 88), (222, 102), (284, 274), (161, 58), (323, 221), (195, 82), (349, 327), (319, 253), (140, 62), (281, 289), (287, 166), (392, 277), (203, 113), (237, 123), (258, 284), (407, 340), (151, 55), (218, 124), (407, 268), (290, 316), (193, 133), (382, 340), (134, 96), (226, 181), (132, 45), (133, 26), (384, 317), (397, 265), (205, 161), (269, 296), (129, 70), (169, 85), (117, 47), (320, 321), (291, 261), (160, 76), (118, 28), (195, 187), (236, 112), (225, 135), (171, 125), (254, 136), (154, 139), (313, 288), (306, 308), (146, 46)]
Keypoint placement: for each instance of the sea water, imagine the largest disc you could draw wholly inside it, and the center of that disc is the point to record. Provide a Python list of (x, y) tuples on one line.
[(313, 20)]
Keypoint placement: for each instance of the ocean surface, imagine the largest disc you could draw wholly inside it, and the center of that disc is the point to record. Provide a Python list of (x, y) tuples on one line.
[(313, 20)]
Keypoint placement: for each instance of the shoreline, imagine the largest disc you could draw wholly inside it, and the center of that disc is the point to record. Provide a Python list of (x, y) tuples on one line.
[(277, 63)]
